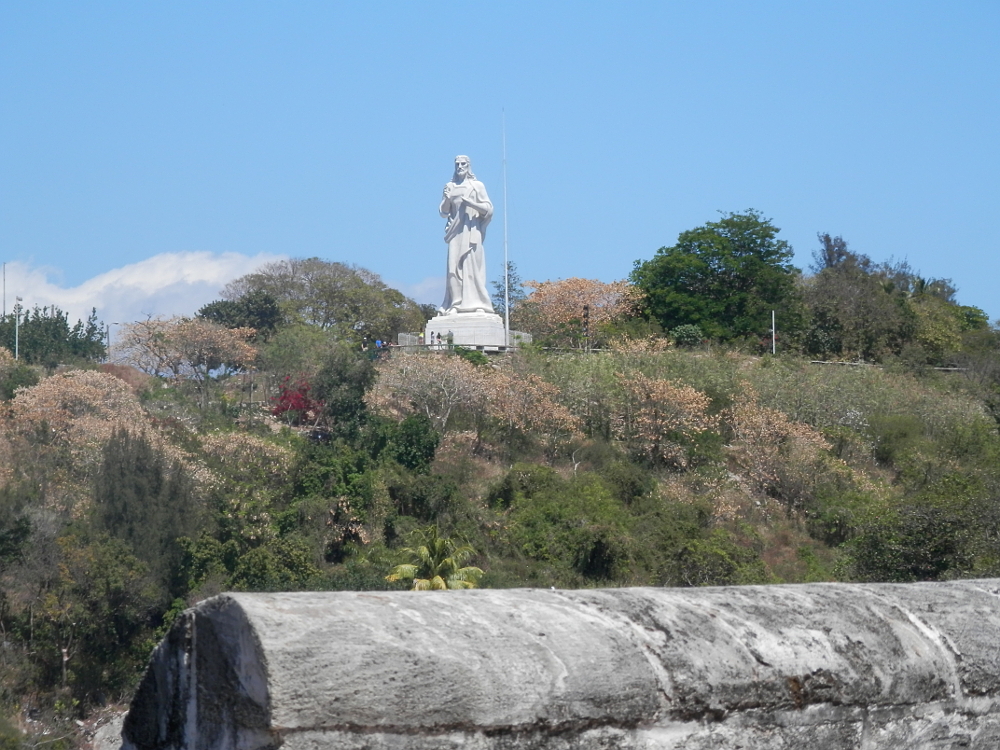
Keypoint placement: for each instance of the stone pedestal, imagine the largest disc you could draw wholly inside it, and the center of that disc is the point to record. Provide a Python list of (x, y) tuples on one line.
[(475, 330)]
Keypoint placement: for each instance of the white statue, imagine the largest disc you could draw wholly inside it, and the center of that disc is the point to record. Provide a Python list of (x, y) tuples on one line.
[(468, 210)]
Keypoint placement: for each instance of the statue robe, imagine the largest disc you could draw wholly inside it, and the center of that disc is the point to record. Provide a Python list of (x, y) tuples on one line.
[(465, 287)]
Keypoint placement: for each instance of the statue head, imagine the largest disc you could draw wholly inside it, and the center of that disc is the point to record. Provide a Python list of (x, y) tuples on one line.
[(463, 169)]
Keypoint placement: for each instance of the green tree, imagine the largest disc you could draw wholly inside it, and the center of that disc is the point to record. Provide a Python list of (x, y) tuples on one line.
[(515, 291), (296, 349), (687, 336), (578, 525), (921, 541), (349, 300), (938, 328), (10, 737), (14, 374), (256, 309), (44, 336), (144, 501), (436, 563), (718, 559), (413, 443), (857, 308), (15, 525), (90, 628), (724, 277), (281, 564), (864, 310), (341, 384)]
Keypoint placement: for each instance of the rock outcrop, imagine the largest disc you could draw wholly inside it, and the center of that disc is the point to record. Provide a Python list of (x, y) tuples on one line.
[(820, 666)]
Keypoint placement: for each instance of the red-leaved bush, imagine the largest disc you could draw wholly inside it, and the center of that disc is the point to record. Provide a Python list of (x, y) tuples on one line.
[(293, 402)]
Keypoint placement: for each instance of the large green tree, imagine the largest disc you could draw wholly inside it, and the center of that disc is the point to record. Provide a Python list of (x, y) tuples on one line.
[(724, 277), (341, 385), (348, 300), (857, 308), (860, 309), (145, 501), (256, 309)]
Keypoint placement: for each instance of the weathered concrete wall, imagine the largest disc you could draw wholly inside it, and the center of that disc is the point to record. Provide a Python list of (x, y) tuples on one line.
[(819, 666)]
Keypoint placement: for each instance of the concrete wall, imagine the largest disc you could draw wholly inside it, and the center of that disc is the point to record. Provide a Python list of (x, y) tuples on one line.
[(819, 666)]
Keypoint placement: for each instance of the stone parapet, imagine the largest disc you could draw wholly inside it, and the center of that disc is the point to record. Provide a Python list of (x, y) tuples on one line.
[(820, 666)]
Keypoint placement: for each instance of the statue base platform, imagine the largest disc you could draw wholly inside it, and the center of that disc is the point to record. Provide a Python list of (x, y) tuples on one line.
[(475, 330)]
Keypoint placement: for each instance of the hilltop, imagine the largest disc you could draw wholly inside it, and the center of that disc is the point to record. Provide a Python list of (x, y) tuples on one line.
[(266, 444)]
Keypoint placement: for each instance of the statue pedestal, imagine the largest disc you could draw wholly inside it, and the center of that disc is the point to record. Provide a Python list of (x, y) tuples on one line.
[(474, 330)]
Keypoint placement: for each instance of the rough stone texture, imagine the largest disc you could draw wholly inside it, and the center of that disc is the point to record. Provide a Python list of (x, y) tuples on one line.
[(825, 666), (109, 736)]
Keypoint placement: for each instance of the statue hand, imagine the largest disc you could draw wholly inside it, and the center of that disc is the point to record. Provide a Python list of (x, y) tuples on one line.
[(458, 194)]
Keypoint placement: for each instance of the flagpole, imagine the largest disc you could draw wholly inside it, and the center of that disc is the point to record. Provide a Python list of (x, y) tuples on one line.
[(506, 264)]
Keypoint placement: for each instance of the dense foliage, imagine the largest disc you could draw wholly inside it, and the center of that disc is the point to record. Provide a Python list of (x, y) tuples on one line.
[(44, 336), (213, 457), (349, 300), (724, 277)]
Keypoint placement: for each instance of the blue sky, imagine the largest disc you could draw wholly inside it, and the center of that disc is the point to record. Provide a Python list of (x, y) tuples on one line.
[(149, 152)]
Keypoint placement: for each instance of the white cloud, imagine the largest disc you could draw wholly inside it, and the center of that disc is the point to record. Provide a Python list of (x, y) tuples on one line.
[(165, 284)]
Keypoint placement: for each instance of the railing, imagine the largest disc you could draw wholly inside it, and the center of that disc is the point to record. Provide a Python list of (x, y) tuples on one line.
[(414, 342)]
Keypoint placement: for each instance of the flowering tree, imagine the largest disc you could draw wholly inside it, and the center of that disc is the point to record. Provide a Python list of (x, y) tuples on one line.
[(527, 404), (554, 310), (248, 459), (7, 362), (250, 472), (441, 385), (657, 418), (63, 423), (184, 348), (765, 440), (436, 385), (78, 409), (61, 426)]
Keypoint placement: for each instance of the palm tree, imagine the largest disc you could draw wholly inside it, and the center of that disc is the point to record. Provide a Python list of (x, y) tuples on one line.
[(436, 564)]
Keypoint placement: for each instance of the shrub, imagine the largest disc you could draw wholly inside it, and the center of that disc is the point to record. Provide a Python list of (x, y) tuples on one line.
[(627, 481), (720, 560), (577, 525), (687, 335), (10, 737), (522, 481), (424, 497), (294, 402)]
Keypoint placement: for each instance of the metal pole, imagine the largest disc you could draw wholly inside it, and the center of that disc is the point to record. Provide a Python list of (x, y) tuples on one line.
[(506, 263), (774, 336), (17, 328)]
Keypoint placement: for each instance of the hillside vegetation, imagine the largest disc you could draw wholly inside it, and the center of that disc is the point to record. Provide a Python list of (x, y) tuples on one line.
[(265, 445)]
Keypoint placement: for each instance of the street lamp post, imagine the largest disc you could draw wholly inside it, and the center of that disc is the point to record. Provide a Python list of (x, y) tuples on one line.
[(17, 327), (107, 339)]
